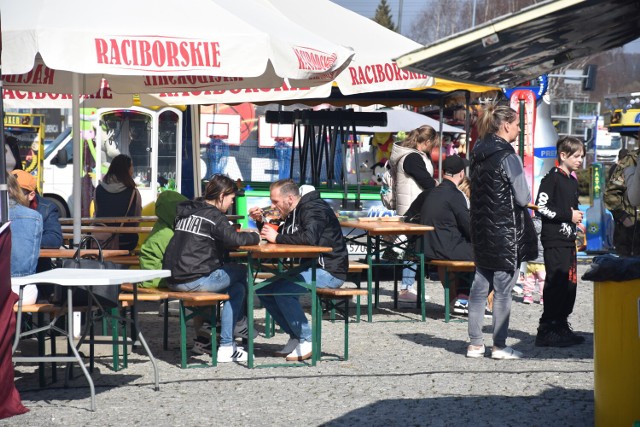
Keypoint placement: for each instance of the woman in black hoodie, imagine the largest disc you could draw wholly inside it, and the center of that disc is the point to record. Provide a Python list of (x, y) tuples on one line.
[(195, 256)]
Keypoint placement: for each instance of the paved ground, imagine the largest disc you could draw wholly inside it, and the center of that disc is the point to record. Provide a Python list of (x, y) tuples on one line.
[(400, 372)]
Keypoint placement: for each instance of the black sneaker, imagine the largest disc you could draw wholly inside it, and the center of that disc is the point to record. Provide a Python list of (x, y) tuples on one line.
[(552, 336), (566, 329)]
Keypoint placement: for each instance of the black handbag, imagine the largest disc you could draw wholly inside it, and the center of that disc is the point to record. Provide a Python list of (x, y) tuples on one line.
[(107, 296)]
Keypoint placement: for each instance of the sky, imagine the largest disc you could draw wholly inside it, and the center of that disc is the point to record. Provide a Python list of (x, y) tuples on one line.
[(367, 8), (411, 9)]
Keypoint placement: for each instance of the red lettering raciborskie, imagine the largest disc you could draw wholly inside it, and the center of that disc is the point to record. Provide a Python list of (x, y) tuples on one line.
[(156, 53)]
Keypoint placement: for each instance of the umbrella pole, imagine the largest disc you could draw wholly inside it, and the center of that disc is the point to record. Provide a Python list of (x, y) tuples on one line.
[(356, 155), (440, 133), (77, 192), (4, 195)]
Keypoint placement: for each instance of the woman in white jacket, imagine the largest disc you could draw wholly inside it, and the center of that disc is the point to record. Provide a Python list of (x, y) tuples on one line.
[(413, 173)]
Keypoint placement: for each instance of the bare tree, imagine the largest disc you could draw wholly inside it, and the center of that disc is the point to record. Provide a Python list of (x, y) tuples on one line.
[(617, 72)]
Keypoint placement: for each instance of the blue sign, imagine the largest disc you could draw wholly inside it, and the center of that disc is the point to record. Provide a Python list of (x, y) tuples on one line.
[(545, 152)]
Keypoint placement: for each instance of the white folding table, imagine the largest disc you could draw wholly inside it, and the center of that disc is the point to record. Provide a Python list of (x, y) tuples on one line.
[(86, 278)]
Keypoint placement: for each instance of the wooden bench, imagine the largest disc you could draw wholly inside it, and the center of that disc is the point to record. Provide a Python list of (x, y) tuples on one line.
[(452, 266), (40, 310), (126, 260), (126, 300), (355, 268), (334, 300), (337, 300), (196, 302)]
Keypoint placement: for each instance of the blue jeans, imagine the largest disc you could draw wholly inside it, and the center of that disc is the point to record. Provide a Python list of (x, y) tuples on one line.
[(408, 275), (286, 310), (230, 279)]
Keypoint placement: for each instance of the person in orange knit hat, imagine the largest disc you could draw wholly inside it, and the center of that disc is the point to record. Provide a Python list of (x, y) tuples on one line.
[(52, 232)]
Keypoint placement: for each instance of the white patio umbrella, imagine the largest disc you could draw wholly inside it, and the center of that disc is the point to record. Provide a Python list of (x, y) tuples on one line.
[(372, 68), (152, 45), (156, 45), (399, 120)]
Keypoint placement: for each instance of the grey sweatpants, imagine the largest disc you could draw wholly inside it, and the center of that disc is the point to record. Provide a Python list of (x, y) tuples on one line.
[(502, 282)]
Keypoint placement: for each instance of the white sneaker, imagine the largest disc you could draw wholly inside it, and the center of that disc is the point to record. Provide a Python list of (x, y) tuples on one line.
[(301, 352), (232, 353), (474, 352), (241, 329), (518, 289), (505, 353), (288, 348)]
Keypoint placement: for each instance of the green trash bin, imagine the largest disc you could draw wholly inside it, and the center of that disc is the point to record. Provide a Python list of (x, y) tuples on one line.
[(617, 353)]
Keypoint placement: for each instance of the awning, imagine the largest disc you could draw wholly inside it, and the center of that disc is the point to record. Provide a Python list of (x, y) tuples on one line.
[(521, 46)]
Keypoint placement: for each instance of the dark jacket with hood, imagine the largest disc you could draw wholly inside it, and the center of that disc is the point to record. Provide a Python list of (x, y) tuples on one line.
[(202, 236), (497, 212), (446, 210), (313, 222)]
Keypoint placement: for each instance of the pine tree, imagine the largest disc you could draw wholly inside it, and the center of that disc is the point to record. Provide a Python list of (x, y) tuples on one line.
[(383, 16)]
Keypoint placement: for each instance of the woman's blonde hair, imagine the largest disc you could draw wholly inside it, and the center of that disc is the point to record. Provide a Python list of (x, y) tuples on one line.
[(493, 116), (465, 186), (15, 191), (422, 134)]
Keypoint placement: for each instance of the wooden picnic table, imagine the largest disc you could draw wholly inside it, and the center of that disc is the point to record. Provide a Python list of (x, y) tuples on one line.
[(269, 251), (375, 230)]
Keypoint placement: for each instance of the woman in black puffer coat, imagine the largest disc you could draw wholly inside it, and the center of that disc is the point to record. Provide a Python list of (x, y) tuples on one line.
[(499, 196)]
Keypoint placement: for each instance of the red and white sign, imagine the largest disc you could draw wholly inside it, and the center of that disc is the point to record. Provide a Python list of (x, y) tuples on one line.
[(529, 126)]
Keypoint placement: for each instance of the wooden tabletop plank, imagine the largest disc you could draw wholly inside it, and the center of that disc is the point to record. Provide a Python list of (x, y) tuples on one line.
[(104, 220), (69, 253), (107, 229), (381, 228), (124, 219), (275, 250)]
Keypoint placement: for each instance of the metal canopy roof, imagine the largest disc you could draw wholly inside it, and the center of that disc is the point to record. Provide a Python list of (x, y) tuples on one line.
[(521, 46)]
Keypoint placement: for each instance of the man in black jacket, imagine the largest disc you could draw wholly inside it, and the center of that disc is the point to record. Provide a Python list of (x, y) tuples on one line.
[(447, 210), (308, 220)]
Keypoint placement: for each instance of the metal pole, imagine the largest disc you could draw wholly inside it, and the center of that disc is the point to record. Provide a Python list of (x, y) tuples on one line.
[(473, 17), (4, 195), (440, 139), (77, 167), (522, 123), (400, 16)]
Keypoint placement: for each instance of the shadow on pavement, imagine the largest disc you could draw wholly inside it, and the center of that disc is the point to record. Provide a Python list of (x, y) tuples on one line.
[(555, 406)]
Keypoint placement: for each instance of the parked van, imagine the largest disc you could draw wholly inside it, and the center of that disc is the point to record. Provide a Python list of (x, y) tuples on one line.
[(607, 144)]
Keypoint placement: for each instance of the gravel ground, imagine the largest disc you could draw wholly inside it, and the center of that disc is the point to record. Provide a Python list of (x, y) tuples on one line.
[(400, 372)]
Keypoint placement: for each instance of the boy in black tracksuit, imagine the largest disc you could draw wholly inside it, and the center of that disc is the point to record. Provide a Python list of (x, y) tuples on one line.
[(558, 206)]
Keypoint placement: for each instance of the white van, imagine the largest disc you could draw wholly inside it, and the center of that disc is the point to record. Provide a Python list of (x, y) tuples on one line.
[(608, 144), (152, 139)]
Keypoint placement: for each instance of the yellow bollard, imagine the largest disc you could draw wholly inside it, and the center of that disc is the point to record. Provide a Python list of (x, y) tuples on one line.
[(616, 343)]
